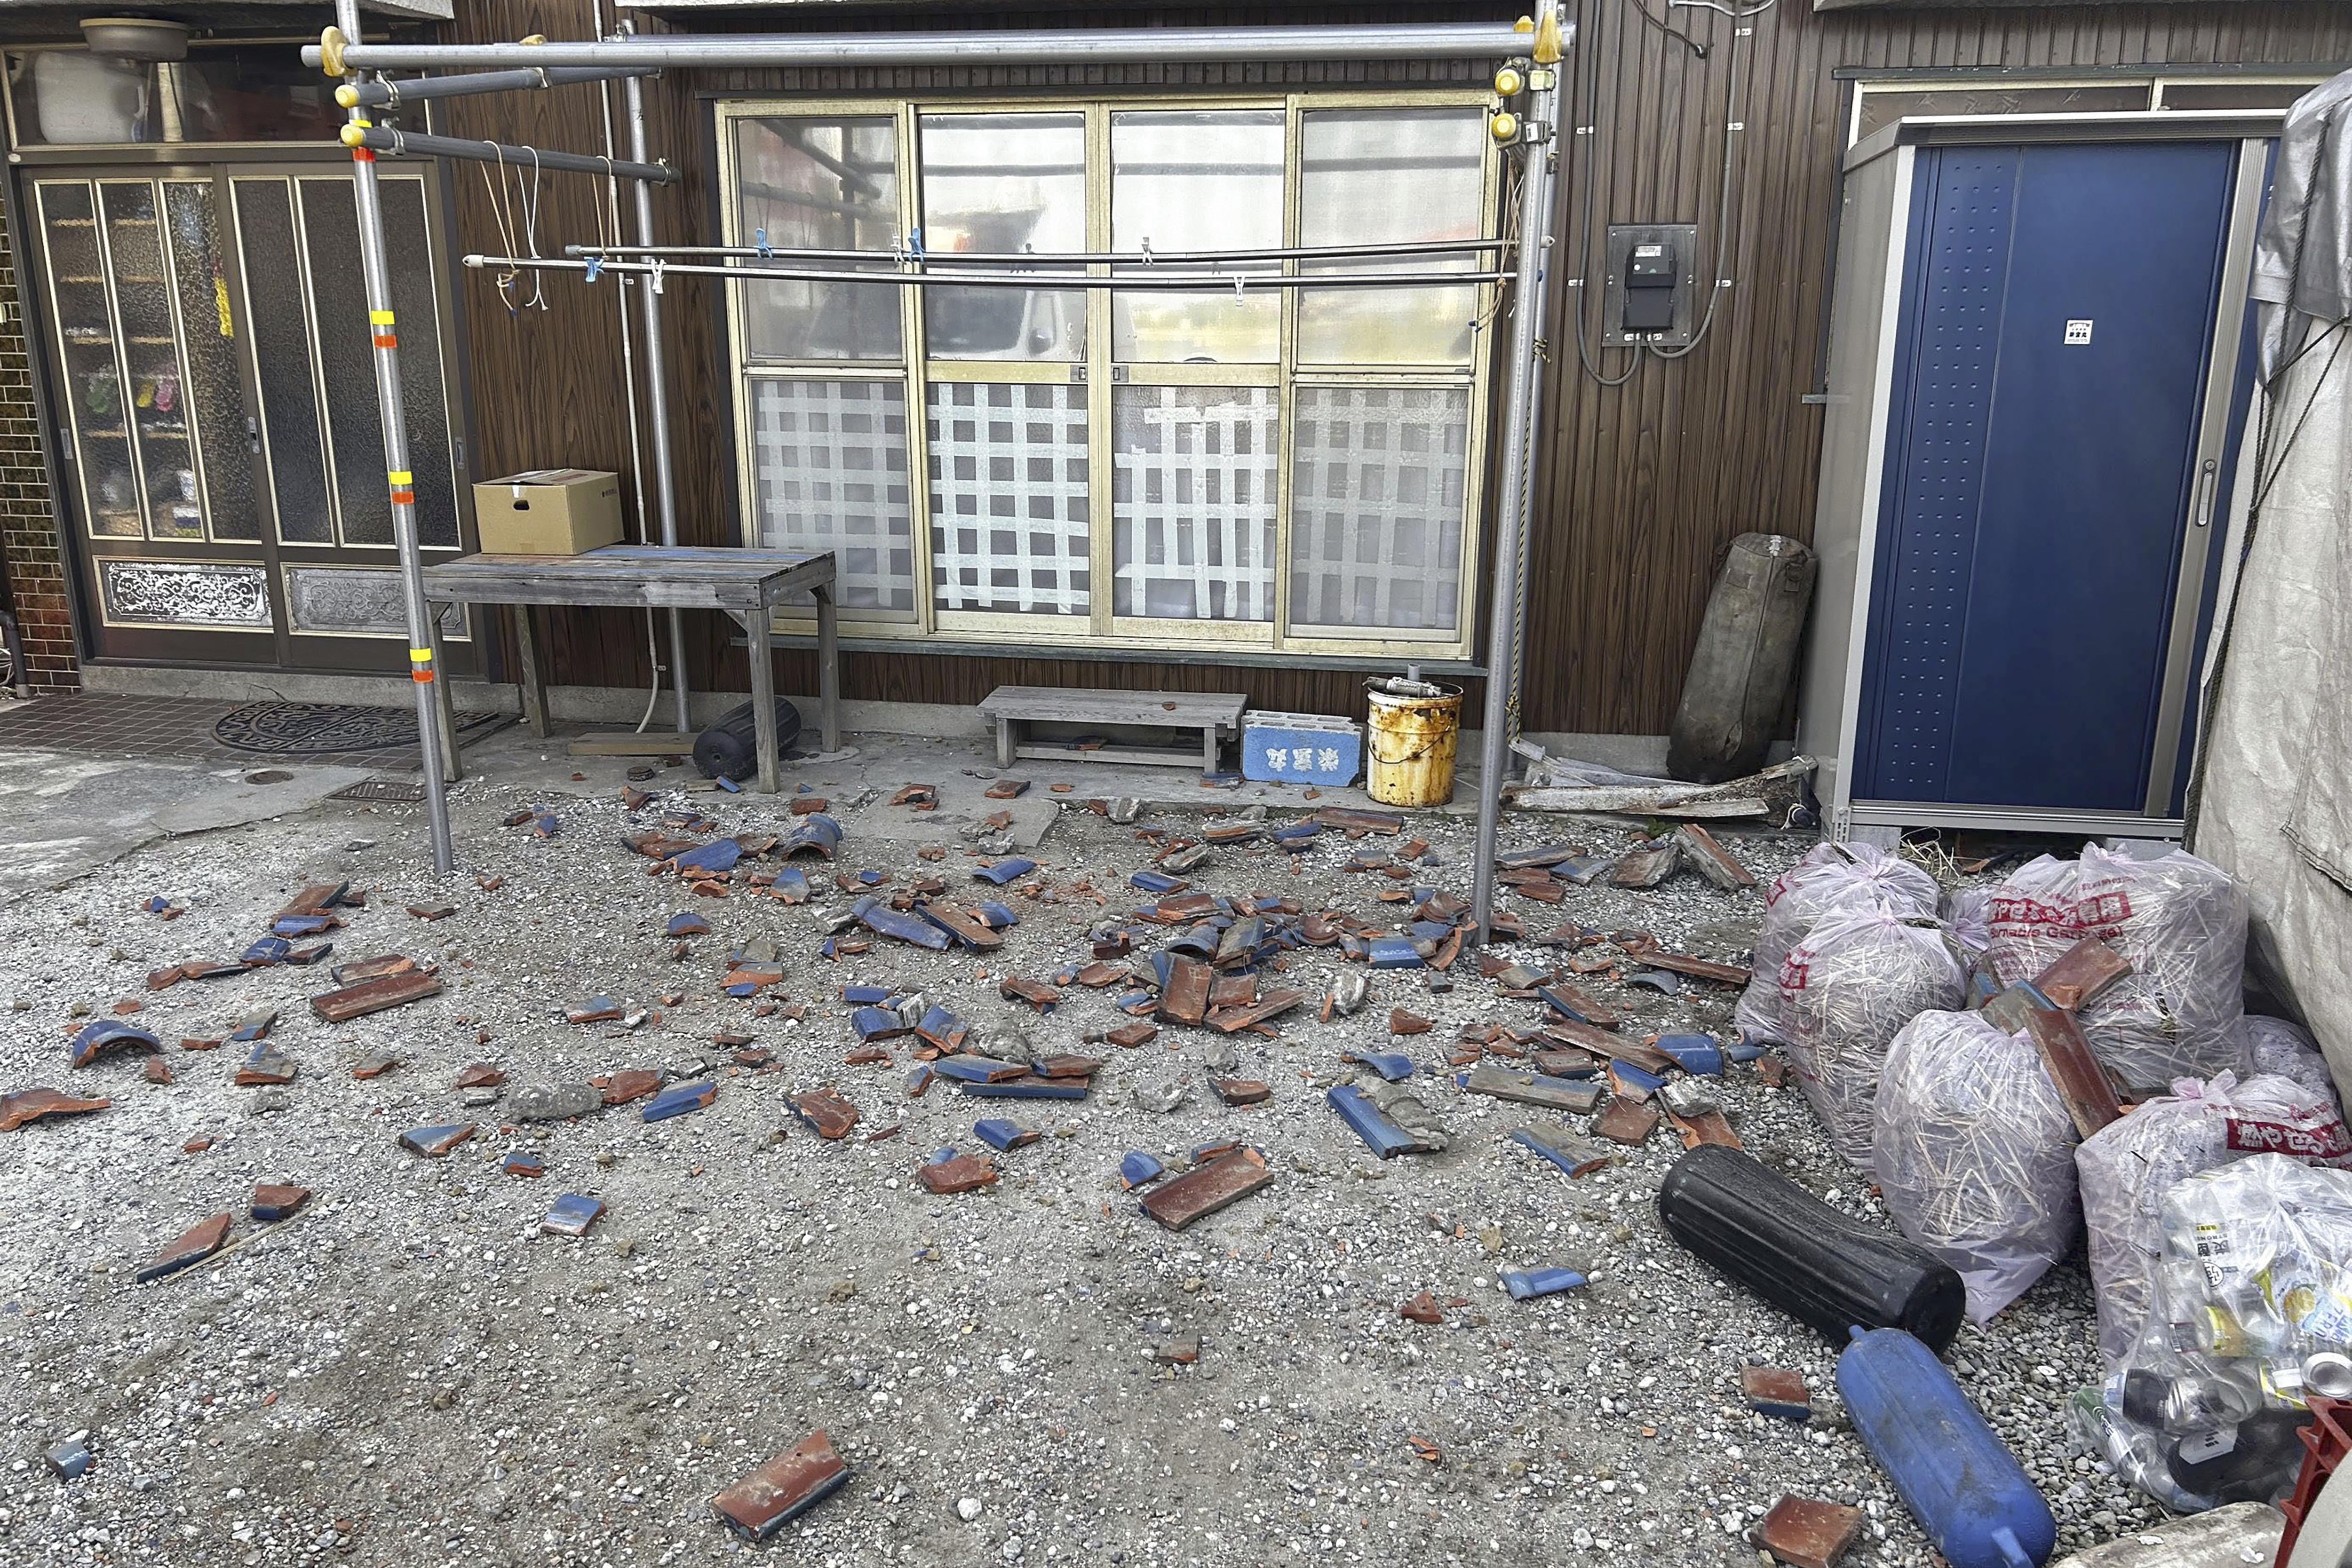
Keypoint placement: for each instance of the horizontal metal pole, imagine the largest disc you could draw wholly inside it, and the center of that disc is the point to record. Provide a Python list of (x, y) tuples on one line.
[(1108, 46), (1194, 283), (1067, 257), (368, 94), (414, 144)]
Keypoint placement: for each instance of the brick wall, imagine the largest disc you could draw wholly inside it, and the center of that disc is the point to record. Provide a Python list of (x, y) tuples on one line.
[(29, 548)]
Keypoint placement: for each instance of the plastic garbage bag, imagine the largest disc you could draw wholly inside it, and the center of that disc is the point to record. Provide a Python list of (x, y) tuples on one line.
[(1847, 989), (1829, 875), (2288, 1050), (2251, 1305), (1967, 913), (1974, 1154), (2128, 1167), (2181, 921)]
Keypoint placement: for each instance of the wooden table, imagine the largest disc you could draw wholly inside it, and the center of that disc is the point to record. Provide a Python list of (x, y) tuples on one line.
[(747, 584), (1214, 714)]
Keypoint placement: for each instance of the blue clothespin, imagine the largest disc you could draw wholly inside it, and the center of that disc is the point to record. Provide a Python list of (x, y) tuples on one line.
[(595, 265), (759, 239), (915, 243)]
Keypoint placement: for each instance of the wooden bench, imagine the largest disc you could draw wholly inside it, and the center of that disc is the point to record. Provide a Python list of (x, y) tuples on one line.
[(1216, 714), (747, 584)]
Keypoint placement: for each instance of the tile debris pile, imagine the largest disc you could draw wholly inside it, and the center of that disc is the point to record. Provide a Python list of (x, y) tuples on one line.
[(1230, 1022)]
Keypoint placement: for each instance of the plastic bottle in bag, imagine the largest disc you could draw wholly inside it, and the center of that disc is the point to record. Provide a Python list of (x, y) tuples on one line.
[(1974, 1154), (1830, 875), (1847, 989), (2128, 1167)]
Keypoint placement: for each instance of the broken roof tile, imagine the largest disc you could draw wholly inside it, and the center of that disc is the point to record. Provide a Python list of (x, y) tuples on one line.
[(782, 1490), (274, 1201), (435, 1142), (196, 1244), (32, 1104), (571, 1215), (827, 1113), (375, 996), (1206, 1189), (679, 1099), (105, 1037)]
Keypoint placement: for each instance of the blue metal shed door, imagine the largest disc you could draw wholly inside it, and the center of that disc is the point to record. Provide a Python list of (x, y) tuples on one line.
[(2059, 311)]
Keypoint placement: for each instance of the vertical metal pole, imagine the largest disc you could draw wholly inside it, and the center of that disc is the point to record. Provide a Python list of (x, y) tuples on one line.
[(657, 385), (1520, 400), (376, 271)]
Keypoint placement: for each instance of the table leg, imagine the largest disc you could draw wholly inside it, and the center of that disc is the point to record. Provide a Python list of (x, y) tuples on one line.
[(1208, 749), (763, 699), (534, 682), (828, 665), (1004, 743), (445, 705)]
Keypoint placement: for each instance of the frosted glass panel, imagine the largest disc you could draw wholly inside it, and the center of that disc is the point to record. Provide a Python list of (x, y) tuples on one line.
[(281, 343), (829, 460), (1008, 471), (1193, 493), (1379, 175), (1196, 180), (214, 394), (1002, 184), (822, 183), (1378, 479)]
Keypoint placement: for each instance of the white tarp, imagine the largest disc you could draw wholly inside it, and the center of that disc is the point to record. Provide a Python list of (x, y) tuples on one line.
[(2275, 796)]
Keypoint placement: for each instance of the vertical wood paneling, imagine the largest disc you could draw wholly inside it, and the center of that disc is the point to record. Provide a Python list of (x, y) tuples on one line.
[(1638, 487)]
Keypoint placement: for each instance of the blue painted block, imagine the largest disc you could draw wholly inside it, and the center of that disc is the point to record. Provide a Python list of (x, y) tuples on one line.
[(878, 1023), (301, 924), (720, 854), (1134, 1000), (1005, 872), (1393, 953), (977, 1069), (1692, 1053), (1391, 1065), (1528, 1283), (688, 924), (1298, 833), (572, 1215), (679, 1099), (1138, 1170), (1301, 749), (522, 1162), (1428, 930), (1000, 1135), (1156, 881), (1559, 1149), (920, 1079), (727, 784), (269, 950), (1384, 1137), (1030, 1089), (865, 996), (879, 918), (996, 917), (744, 989), (68, 1461), (1628, 1079)]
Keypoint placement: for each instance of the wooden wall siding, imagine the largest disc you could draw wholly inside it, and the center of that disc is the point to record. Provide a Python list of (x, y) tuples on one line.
[(1638, 487)]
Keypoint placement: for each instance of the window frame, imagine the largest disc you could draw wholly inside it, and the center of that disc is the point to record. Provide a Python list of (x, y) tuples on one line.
[(915, 371)]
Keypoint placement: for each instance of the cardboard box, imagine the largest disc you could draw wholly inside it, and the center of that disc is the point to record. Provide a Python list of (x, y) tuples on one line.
[(549, 511)]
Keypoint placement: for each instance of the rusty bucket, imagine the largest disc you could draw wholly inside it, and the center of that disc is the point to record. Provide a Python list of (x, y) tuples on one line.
[(1409, 747)]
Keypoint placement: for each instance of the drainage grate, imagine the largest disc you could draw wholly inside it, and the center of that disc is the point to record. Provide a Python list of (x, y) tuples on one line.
[(380, 789)]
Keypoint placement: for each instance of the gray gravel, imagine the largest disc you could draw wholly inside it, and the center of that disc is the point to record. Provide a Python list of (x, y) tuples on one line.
[(408, 1372)]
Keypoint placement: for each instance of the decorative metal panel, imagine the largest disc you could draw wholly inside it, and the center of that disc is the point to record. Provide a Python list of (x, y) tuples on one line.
[(187, 593), (356, 600)]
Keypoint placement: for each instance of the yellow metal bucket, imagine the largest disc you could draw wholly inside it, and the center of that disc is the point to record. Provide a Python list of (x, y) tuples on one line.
[(1409, 747)]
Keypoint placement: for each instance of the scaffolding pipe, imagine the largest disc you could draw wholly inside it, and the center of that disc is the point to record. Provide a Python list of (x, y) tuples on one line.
[(375, 271), (1519, 403), (393, 94), (1193, 283), (1065, 257), (401, 143), (657, 398), (1103, 47)]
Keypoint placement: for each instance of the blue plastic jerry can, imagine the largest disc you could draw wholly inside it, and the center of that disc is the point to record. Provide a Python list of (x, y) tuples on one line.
[(1965, 1488)]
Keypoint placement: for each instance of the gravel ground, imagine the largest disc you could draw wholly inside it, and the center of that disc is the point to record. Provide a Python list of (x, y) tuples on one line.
[(408, 1371)]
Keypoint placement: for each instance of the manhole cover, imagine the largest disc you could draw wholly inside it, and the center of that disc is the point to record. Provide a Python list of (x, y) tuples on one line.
[(269, 776), (380, 789)]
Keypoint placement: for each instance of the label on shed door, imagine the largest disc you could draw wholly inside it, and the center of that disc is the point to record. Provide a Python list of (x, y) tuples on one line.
[(2077, 333)]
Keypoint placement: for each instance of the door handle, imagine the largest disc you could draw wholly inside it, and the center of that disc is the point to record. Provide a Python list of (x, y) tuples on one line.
[(253, 435), (2208, 484)]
